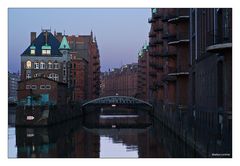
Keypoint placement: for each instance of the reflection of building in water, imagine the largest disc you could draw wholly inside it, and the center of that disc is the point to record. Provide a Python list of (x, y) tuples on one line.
[(66, 140)]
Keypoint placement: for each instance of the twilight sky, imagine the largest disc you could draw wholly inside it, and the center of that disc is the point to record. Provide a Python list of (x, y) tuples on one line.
[(120, 33)]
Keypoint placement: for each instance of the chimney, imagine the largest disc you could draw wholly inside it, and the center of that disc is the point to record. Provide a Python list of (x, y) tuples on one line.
[(33, 36)]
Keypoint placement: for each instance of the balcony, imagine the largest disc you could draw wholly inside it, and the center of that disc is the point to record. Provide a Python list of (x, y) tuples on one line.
[(178, 71), (168, 78), (179, 15), (180, 38), (151, 20), (219, 39)]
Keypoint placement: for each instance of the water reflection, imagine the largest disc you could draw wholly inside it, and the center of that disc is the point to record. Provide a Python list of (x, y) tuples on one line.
[(83, 140)]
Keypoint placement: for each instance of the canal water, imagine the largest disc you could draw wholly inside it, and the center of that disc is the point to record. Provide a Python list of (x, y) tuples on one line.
[(118, 134)]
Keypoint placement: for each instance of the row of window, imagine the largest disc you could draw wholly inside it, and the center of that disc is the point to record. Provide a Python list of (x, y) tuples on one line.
[(42, 65), (34, 87), (52, 76), (44, 52)]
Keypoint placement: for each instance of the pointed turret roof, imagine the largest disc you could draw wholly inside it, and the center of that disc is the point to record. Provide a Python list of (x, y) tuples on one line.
[(64, 44)]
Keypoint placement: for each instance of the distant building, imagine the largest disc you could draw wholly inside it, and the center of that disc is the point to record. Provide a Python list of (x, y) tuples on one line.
[(13, 79), (120, 81)]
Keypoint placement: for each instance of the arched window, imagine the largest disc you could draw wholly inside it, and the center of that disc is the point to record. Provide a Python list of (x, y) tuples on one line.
[(56, 65), (42, 65), (28, 64), (56, 77), (50, 76), (50, 65)]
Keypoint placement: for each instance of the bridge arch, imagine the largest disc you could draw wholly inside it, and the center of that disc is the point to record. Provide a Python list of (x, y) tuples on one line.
[(120, 100)]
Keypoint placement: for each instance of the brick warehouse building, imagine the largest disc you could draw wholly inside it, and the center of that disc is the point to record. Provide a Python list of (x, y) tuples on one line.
[(121, 81), (210, 90), (169, 52), (193, 88), (64, 60), (85, 65)]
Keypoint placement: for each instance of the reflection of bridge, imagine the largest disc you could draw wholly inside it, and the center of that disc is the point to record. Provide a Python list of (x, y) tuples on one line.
[(118, 131), (119, 100)]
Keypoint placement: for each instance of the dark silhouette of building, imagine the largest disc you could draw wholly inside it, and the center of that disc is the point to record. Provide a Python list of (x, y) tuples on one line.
[(13, 79)]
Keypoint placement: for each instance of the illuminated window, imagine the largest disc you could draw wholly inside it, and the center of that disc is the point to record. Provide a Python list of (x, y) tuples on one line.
[(42, 65), (36, 65), (28, 64), (32, 52), (46, 50)]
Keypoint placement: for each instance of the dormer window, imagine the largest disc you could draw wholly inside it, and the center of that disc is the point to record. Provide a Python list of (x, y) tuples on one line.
[(46, 50), (32, 50)]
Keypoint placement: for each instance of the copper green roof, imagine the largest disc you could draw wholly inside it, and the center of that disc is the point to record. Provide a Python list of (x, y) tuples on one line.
[(154, 10), (64, 44), (32, 47), (46, 47)]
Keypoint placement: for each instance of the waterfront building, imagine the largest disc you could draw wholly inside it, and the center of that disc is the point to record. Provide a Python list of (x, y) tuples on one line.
[(120, 81), (73, 60), (44, 58), (210, 90), (169, 53), (85, 59), (13, 79)]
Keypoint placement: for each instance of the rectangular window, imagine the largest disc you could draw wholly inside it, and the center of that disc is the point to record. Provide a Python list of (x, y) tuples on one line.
[(56, 66), (42, 86), (28, 76), (48, 52), (44, 52), (28, 87), (34, 86), (32, 52), (48, 86), (36, 65)]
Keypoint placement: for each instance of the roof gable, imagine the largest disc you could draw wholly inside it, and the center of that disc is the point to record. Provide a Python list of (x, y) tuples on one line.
[(40, 42)]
